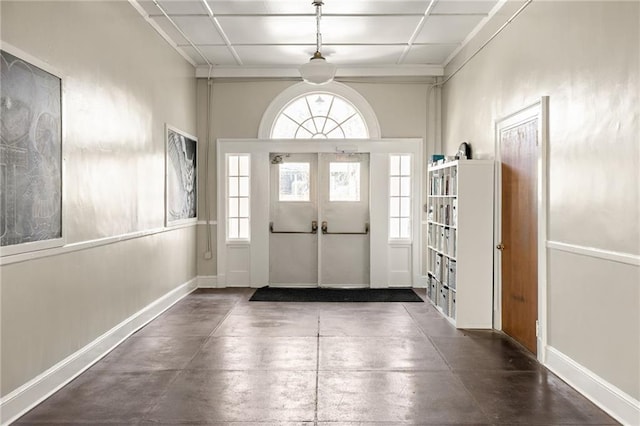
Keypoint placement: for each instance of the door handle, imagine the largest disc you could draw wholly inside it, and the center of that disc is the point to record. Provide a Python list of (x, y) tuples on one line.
[(325, 230), (500, 246), (314, 229)]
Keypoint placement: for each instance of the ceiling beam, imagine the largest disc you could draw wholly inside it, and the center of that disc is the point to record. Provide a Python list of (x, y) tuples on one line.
[(347, 71)]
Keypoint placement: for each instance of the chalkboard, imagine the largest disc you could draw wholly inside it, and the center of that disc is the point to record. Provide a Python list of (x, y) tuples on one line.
[(181, 177), (30, 153)]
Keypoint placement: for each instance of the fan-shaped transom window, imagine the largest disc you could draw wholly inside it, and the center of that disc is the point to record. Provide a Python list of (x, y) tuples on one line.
[(319, 116)]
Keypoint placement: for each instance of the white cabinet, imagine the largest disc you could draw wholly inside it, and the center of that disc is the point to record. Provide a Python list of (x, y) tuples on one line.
[(460, 241)]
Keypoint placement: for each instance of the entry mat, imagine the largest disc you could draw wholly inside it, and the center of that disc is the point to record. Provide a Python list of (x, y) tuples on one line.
[(272, 294)]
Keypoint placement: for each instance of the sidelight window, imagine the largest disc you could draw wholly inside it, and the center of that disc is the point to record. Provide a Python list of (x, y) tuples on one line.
[(238, 197), (400, 196)]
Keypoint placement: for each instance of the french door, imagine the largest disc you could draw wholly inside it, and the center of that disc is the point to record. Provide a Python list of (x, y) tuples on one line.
[(319, 220)]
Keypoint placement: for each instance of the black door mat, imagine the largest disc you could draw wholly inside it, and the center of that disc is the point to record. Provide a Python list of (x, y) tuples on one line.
[(271, 294)]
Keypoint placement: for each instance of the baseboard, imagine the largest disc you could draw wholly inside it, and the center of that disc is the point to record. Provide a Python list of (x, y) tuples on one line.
[(27, 396), (208, 281), (615, 402)]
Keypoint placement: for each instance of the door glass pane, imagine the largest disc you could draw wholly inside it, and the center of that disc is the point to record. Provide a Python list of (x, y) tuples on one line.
[(405, 207), (394, 227), (405, 167), (233, 165), (243, 232), (394, 206), (243, 187), (404, 228), (244, 207), (394, 169), (394, 189), (233, 186), (405, 186), (233, 228), (344, 181), (243, 165), (294, 182), (233, 207)]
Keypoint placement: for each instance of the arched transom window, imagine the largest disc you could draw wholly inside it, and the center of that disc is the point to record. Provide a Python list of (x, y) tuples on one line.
[(319, 116)]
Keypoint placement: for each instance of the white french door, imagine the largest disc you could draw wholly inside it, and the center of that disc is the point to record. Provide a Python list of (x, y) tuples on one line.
[(344, 220), (319, 220), (319, 215)]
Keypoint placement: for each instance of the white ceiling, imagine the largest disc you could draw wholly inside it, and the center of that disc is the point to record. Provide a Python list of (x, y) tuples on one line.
[(273, 37)]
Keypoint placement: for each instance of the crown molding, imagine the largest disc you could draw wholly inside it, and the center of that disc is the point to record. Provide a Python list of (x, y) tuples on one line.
[(292, 71)]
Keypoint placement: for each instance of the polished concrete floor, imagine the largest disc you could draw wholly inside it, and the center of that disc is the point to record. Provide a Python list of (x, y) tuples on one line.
[(215, 358)]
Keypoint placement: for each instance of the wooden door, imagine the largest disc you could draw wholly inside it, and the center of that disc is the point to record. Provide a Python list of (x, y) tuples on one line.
[(519, 263)]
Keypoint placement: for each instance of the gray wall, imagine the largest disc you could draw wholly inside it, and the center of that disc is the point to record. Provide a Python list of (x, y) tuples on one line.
[(585, 57), (237, 109), (122, 82)]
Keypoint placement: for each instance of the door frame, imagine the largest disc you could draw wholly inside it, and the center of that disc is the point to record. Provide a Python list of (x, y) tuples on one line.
[(540, 110), (254, 253)]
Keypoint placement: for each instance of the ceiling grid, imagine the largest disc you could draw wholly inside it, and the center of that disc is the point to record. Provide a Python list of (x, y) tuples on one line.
[(270, 38)]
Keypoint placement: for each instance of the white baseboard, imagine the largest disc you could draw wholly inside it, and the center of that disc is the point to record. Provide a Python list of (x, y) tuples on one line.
[(615, 402), (208, 281), (27, 396)]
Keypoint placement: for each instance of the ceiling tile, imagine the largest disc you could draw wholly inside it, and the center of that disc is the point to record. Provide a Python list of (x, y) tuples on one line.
[(429, 54), (298, 55), (369, 29), (273, 55), (268, 30), (217, 55), (468, 7), (183, 7), (351, 7), (447, 28), (199, 29), (365, 55), (335, 29), (225, 7), (168, 28)]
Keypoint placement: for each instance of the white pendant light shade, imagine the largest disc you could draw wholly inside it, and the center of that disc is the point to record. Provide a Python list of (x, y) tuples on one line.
[(317, 70)]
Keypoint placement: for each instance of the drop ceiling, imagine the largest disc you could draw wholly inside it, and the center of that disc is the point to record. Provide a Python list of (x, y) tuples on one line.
[(270, 38)]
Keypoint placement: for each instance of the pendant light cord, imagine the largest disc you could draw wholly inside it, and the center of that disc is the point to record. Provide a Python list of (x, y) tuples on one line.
[(318, 5)]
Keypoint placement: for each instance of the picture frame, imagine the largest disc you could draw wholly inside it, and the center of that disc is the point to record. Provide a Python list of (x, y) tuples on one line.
[(32, 161), (181, 177)]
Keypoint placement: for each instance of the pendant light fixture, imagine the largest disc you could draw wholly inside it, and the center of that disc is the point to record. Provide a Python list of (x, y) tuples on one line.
[(318, 70)]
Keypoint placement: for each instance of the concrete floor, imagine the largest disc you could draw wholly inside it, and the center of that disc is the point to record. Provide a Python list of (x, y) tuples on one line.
[(215, 358)]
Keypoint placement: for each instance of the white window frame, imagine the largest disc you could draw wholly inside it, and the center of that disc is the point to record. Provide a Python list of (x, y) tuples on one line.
[(396, 237), (229, 197)]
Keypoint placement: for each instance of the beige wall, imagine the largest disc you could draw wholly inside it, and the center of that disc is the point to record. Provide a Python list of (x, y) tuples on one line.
[(122, 83), (237, 109), (585, 57)]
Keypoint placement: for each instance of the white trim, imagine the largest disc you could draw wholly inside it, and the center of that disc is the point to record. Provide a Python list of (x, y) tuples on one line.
[(27, 396), (406, 70), (208, 281), (85, 245), (614, 401), (295, 91), (613, 256)]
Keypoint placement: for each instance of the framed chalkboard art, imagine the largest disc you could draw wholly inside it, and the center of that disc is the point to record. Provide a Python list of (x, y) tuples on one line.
[(181, 174), (30, 154)]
